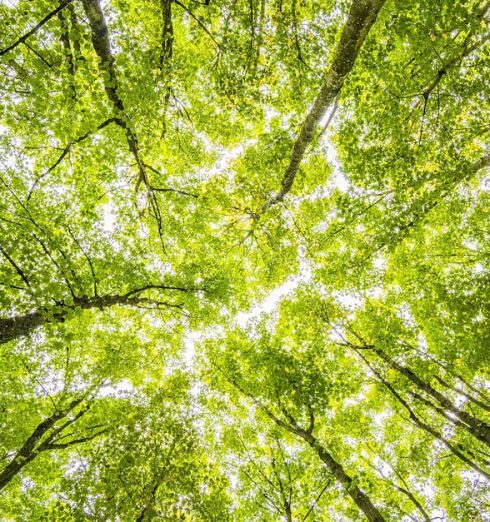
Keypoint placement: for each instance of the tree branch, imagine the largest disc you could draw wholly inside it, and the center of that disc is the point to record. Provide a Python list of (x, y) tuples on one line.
[(361, 17), (35, 29), (17, 268)]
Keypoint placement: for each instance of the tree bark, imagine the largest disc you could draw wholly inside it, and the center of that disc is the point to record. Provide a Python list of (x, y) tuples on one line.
[(22, 39), (423, 425), (102, 46), (361, 17), (29, 449), (362, 501), (476, 427), (19, 326)]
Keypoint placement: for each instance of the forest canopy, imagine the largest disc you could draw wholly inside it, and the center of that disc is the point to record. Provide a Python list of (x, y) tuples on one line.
[(245, 260)]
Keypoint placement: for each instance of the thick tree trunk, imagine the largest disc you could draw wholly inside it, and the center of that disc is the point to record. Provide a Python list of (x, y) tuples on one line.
[(15, 327), (361, 17), (22, 325)]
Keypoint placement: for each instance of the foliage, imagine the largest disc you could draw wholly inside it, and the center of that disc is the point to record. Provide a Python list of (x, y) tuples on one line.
[(244, 260)]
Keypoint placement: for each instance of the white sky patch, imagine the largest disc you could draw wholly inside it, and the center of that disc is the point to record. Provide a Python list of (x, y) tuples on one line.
[(109, 217), (375, 292), (472, 245), (350, 301), (484, 184), (190, 346), (405, 314), (27, 484), (337, 179), (225, 157), (271, 302), (478, 268), (336, 334), (118, 389), (52, 385)]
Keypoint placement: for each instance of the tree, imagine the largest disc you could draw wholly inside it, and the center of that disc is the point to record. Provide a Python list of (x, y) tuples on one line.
[(244, 260)]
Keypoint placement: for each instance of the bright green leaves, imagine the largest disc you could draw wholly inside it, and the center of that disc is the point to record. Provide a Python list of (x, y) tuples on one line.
[(136, 240)]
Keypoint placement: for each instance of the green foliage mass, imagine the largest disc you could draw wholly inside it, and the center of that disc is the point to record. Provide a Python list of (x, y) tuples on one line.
[(244, 260)]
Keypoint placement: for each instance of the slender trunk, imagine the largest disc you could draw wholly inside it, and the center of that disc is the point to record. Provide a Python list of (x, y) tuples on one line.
[(476, 427), (482, 405), (167, 32), (439, 410), (35, 29), (70, 59), (449, 370), (422, 425), (362, 501), (102, 46), (414, 500)]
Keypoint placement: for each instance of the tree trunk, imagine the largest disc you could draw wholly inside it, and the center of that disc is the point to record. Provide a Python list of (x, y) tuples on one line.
[(15, 327), (422, 425), (362, 501), (476, 427), (361, 17)]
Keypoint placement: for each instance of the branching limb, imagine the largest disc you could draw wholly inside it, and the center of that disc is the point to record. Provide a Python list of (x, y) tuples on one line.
[(16, 267), (22, 39), (66, 150)]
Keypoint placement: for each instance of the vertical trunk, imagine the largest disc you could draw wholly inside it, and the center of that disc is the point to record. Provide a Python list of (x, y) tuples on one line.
[(102, 47), (167, 32), (70, 60)]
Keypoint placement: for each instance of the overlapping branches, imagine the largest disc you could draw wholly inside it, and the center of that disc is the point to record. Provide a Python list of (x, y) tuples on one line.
[(52, 434), (36, 28)]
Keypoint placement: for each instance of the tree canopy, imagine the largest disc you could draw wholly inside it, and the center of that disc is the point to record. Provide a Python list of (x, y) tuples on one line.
[(245, 260)]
